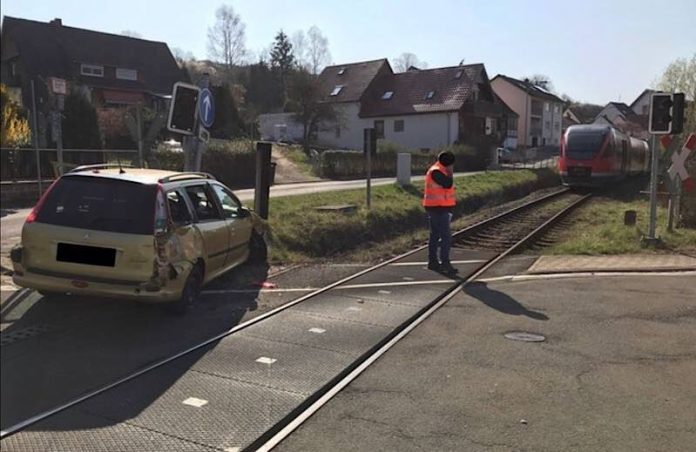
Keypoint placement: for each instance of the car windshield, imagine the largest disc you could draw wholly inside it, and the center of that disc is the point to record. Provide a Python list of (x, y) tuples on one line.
[(584, 145), (100, 204)]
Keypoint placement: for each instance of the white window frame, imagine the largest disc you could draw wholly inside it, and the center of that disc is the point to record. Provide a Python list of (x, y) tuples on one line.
[(126, 74), (430, 95), (387, 95), (403, 125), (89, 70), (337, 90)]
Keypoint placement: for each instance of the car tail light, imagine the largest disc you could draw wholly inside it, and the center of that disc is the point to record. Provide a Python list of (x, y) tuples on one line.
[(37, 208), (160, 218)]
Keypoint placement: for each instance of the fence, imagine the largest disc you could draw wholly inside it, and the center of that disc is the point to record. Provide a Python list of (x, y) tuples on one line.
[(25, 173), (21, 164)]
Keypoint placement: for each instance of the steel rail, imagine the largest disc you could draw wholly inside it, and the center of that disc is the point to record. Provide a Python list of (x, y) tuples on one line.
[(332, 389), (91, 394)]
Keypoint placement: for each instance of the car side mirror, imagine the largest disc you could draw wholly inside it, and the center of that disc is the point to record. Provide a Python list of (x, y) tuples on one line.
[(244, 212)]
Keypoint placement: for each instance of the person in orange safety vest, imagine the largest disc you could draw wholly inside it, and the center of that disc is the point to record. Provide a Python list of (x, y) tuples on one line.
[(439, 201)]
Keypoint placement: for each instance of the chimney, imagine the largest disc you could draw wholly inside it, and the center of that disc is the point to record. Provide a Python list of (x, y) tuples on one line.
[(56, 22)]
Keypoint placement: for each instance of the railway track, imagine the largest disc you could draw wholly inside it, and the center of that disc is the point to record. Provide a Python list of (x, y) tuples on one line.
[(500, 236)]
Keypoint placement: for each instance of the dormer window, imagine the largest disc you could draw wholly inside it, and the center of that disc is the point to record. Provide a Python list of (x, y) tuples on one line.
[(342, 71), (92, 70), (458, 74), (430, 95), (337, 90), (126, 74), (387, 95)]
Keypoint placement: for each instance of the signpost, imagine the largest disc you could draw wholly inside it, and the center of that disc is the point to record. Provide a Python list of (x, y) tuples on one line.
[(369, 146), (666, 117), (191, 110)]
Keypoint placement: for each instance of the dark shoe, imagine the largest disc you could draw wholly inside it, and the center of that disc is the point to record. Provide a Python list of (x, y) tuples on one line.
[(448, 269), (435, 266)]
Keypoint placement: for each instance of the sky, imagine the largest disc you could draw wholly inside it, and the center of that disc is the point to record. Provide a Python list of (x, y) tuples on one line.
[(594, 51)]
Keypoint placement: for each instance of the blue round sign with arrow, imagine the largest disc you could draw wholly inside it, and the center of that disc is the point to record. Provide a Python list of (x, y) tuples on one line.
[(206, 107)]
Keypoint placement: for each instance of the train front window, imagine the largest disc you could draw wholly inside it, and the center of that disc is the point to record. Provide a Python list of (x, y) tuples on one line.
[(584, 146)]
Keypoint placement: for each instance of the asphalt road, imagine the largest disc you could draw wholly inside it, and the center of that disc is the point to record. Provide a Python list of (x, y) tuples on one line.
[(616, 373)]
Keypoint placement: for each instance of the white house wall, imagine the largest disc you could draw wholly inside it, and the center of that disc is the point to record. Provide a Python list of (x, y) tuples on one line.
[(420, 131)]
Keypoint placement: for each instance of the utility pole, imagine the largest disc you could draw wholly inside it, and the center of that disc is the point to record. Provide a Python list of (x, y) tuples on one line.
[(139, 120), (35, 135)]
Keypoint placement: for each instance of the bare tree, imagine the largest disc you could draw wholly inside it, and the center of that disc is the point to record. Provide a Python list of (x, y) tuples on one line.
[(542, 81), (406, 60), (300, 50), (318, 54), (226, 39), (131, 34), (309, 109), (182, 56)]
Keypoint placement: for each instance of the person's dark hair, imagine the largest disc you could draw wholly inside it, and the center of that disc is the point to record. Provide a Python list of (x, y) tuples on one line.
[(446, 158)]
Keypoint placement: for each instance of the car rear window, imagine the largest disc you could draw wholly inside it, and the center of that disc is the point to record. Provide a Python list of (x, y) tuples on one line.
[(100, 204)]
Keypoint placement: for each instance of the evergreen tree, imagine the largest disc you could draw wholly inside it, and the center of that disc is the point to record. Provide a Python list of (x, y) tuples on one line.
[(282, 60), (80, 125), (228, 123)]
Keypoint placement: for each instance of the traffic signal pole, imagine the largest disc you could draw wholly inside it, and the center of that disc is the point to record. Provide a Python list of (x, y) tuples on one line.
[(654, 168)]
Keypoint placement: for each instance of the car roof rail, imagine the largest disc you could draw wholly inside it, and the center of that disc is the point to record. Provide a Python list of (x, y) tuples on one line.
[(187, 175), (99, 166)]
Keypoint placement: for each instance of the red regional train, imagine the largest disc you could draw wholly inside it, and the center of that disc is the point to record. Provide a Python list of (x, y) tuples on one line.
[(593, 155)]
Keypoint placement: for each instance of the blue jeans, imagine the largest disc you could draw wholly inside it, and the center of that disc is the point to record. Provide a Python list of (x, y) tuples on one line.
[(440, 236)]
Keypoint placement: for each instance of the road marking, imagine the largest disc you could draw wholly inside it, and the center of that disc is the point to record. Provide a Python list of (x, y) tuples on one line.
[(317, 330), (408, 278), (404, 264), (354, 308), (192, 401), (514, 278), (346, 287), (266, 360), (9, 288), (231, 449), (224, 291), (384, 292)]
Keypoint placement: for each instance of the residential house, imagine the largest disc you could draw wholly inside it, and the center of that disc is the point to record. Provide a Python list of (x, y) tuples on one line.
[(632, 120), (540, 112), (111, 70), (414, 110)]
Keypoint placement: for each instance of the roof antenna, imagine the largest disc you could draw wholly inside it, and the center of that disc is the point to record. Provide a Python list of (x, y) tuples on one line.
[(461, 63), (120, 168)]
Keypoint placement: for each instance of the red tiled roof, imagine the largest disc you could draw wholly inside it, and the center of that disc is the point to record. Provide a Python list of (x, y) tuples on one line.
[(410, 90)]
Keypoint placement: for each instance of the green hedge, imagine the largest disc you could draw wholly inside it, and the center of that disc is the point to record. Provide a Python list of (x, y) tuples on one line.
[(351, 164), (232, 163)]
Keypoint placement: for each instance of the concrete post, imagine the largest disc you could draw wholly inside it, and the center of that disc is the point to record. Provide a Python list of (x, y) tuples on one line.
[(403, 168)]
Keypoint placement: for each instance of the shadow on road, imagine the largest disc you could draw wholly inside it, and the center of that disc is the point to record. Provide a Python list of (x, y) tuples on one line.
[(500, 301), (57, 348)]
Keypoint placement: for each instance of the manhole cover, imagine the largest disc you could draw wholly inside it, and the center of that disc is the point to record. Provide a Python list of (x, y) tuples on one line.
[(525, 337)]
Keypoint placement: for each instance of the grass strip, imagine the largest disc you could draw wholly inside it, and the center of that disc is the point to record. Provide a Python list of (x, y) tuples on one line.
[(598, 228), (301, 233)]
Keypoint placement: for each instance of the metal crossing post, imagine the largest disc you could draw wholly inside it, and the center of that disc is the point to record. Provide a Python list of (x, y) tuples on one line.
[(653, 190), (263, 178)]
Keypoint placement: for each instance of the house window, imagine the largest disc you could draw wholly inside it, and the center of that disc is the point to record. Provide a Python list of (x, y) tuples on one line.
[(546, 106), (92, 70), (429, 95), (474, 96), (13, 69), (126, 74), (387, 95), (379, 129), (337, 90), (342, 71), (458, 74), (398, 125)]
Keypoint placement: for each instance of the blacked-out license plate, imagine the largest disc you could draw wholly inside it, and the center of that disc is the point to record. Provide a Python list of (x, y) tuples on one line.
[(90, 255)]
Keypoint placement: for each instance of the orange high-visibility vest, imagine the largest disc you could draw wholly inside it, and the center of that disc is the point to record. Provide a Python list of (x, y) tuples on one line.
[(436, 195)]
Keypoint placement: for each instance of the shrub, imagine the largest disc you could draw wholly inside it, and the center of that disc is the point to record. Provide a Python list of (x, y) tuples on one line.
[(231, 162), (351, 164)]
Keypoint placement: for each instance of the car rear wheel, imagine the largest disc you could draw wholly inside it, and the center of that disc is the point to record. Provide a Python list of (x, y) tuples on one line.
[(258, 251), (192, 288)]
